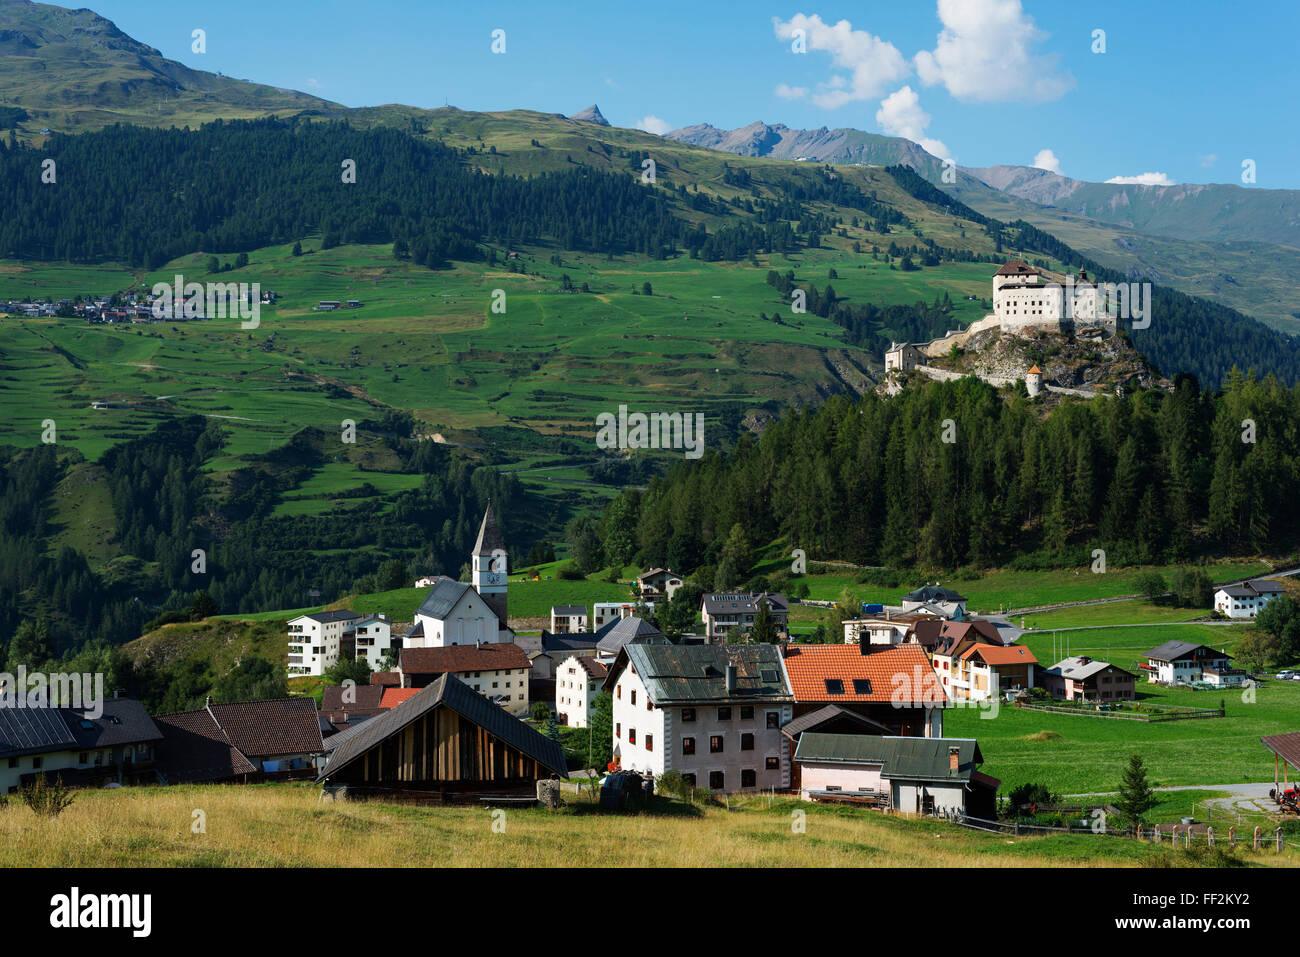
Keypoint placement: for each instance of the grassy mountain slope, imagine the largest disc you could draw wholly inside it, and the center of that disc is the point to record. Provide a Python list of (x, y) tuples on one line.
[(73, 70)]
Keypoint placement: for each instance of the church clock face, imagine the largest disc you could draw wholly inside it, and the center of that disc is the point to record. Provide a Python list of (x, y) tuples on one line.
[(492, 578)]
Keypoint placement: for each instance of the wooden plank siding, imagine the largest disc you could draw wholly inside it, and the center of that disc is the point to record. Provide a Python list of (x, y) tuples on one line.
[(442, 748)]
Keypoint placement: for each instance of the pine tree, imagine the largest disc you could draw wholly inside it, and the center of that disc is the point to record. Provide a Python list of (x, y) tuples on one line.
[(1135, 796)]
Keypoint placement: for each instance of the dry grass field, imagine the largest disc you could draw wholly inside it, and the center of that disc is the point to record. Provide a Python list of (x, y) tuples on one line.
[(283, 825)]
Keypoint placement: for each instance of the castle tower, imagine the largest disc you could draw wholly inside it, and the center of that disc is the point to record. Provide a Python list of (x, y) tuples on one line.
[(1033, 381), (489, 564)]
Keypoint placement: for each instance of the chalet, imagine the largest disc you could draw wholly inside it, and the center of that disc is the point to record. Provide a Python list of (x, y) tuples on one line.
[(887, 628), (945, 601), (971, 659), (577, 682), (1081, 678), (722, 612), (568, 619), (446, 739), (328, 305), (712, 712), (498, 671), (895, 687), (69, 743), (1182, 662), (237, 741), (658, 583), (317, 640), (907, 774), (1245, 600)]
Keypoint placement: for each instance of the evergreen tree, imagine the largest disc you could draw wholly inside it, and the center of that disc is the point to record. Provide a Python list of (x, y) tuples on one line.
[(1136, 797)]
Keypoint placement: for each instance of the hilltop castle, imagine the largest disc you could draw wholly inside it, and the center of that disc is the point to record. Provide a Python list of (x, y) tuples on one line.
[(1027, 301)]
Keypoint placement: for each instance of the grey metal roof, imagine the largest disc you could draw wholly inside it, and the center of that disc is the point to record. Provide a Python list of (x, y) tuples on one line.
[(124, 721), (341, 614), (1265, 586), (815, 719), (743, 603), (442, 598), (449, 692), (1173, 650), (933, 593), (901, 758), (1076, 669), (697, 673), (568, 609), (623, 631)]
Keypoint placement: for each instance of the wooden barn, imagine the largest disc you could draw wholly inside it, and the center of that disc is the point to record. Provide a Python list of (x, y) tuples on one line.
[(447, 739)]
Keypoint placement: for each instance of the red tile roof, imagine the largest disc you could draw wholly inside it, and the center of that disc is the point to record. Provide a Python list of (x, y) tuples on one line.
[(1001, 654), (901, 673), (395, 696)]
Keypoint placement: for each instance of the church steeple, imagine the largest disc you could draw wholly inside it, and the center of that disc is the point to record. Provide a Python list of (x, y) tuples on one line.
[(489, 564)]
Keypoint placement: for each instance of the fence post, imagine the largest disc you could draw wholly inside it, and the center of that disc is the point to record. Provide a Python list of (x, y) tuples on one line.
[(1156, 833), (1255, 844), (1209, 836), (1187, 838), (1232, 836), (1279, 840)]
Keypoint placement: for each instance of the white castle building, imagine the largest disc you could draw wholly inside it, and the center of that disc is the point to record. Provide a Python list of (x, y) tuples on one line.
[(1025, 300)]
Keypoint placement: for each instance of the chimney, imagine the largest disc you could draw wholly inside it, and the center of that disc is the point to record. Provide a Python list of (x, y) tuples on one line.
[(731, 678), (954, 758)]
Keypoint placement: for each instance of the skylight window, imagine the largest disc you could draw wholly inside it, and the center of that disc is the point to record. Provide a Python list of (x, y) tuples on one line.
[(834, 686), (862, 686)]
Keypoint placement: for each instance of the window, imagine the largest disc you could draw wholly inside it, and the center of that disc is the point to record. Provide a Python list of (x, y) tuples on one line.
[(688, 714), (716, 780), (634, 696), (36, 762), (631, 735), (618, 730), (748, 778), (834, 686), (724, 714), (688, 745), (649, 742), (618, 692), (862, 686), (688, 778), (13, 762), (83, 758), (747, 742), (774, 719), (649, 705), (747, 713), (715, 744), (772, 763)]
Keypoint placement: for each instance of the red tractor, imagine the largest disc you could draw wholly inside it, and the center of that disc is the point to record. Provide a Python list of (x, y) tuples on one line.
[(1289, 800)]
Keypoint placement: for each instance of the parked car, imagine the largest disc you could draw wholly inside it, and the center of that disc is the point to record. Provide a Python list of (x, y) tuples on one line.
[(1287, 675)]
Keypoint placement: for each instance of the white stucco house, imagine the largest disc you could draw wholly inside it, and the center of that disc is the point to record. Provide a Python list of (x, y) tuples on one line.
[(711, 712), (1245, 600), (374, 639), (316, 640), (578, 680)]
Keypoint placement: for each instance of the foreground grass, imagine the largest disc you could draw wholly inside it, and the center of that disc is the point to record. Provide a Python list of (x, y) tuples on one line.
[(285, 825)]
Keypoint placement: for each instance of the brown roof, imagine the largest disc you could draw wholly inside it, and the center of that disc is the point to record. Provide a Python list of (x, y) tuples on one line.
[(390, 679), (954, 634), (1001, 654), (364, 698), (266, 728), (1034, 371), (1016, 267), (597, 669), (457, 659), (194, 748), (1285, 746)]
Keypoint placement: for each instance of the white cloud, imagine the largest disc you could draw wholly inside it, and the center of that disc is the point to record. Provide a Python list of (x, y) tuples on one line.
[(652, 124), (872, 64), (1143, 179), (313, 82), (1046, 159), (1208, 160), (900, 114), (787, 92), (985, 52)]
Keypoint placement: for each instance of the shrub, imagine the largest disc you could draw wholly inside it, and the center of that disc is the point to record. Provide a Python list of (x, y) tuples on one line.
[(569, 572), (1023, 795), (46, 800)]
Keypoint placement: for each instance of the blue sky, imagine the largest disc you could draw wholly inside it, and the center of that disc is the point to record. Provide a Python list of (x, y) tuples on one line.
[(1184, 92)]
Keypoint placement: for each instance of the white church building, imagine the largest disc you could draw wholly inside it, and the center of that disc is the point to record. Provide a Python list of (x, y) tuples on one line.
[(456, 613)]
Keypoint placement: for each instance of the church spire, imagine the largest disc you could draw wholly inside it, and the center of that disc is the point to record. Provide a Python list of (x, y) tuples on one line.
[(489, 536)]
